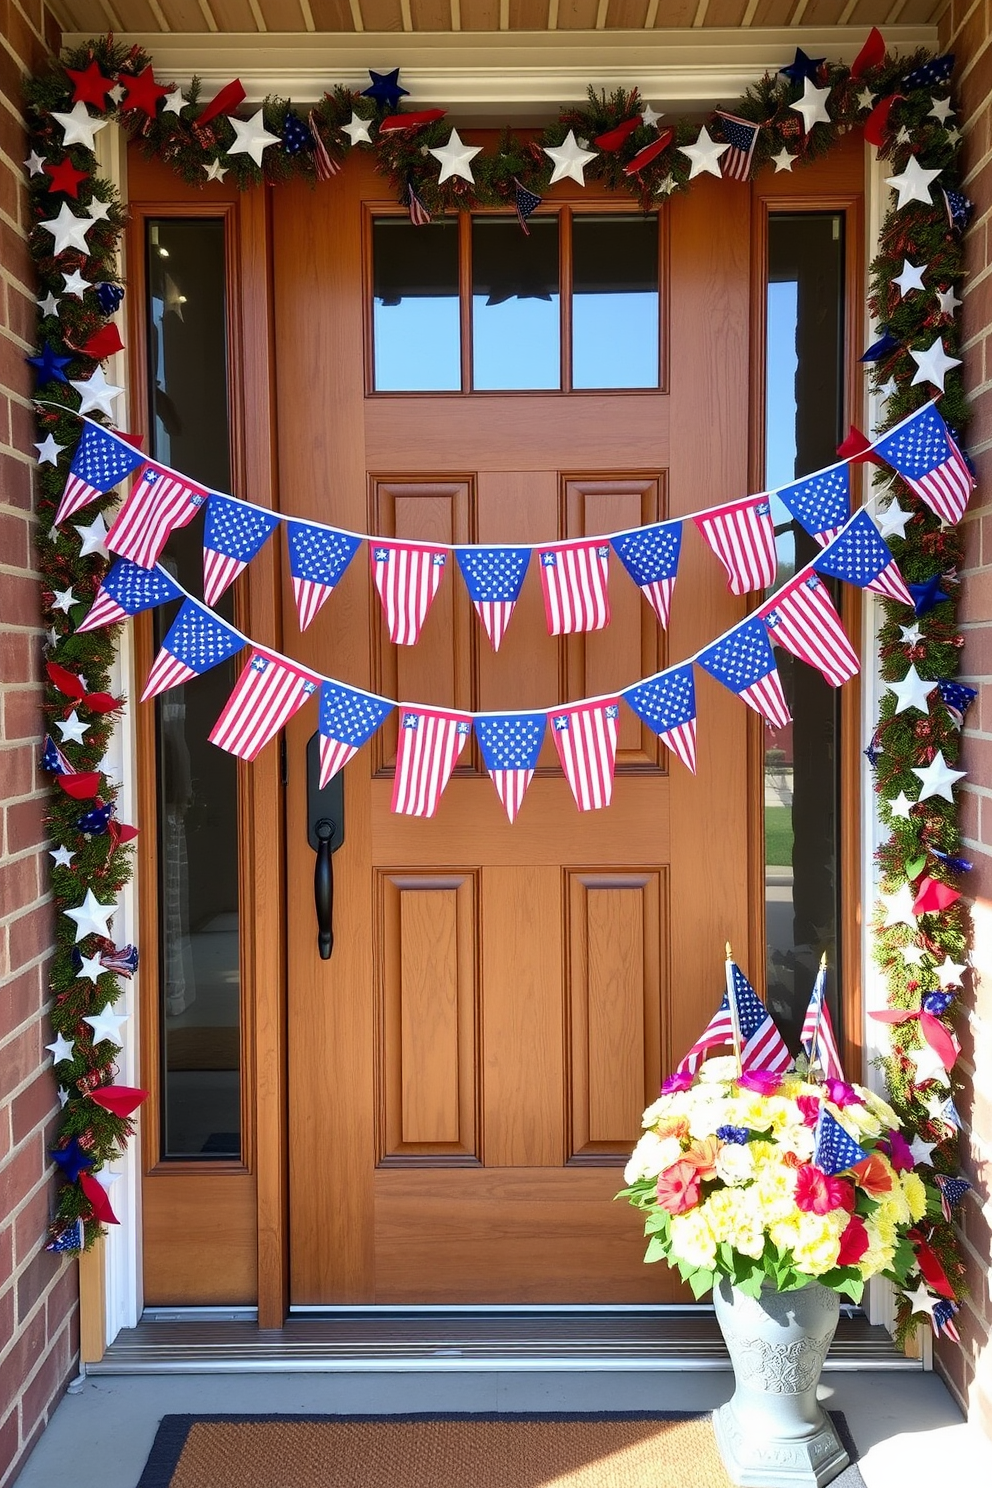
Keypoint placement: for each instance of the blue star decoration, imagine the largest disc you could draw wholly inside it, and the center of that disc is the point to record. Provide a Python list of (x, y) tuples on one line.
[(295, 135), (881, 348), (927, 595), (72, 1160), (802, 67), (49, 365), (386, 88), (110, 297), (937, 1003)]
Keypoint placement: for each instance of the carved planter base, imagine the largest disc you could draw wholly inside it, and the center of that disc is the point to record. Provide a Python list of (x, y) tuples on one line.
[(773, 1431)]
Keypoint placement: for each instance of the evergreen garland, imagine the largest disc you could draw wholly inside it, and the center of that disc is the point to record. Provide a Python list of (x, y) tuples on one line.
[(902, 741)]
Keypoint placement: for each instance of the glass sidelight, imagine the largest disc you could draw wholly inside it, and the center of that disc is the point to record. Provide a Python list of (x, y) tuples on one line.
[(199, 964)]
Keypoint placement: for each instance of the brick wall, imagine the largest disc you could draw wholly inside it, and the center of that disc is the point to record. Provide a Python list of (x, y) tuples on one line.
[(965, 31), (38, 1291)]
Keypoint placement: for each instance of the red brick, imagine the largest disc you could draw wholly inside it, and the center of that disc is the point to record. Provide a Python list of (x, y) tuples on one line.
[(32, 1221), (17, 771), (20, 999), (33, 1107), (22, 430), (28, 1349), (9, 1436), (6, 1317), (63, 1303), (19, 656), (21, 1173), (34, 1281), (19, 883), (6, 1254), (26, 825), (31, 935), (19, 1060), (20, 599), (14, 540)]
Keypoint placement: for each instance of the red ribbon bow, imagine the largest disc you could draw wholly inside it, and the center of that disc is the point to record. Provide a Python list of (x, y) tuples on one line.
[(941, 1040), (73, 686)]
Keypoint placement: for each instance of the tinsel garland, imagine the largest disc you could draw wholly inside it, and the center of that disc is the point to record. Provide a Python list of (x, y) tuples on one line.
[(922, 233)]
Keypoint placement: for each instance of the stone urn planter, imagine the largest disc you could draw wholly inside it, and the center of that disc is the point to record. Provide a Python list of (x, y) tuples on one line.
[(773, 1431)]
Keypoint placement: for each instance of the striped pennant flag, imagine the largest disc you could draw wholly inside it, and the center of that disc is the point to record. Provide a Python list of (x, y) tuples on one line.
[(268, 692), (493, 578), (574, 580), (318, 556), (511, 744), (820, 503), (835, 1150), (585, 736), (325, 164), (817, 1036), (233, 532), (762, 1046), (196, 641), (348, 719), (667, 704), (922, 450), (406, 576), (651, 557), (430, 741), (743, 661), (741, 135), (126, 590), (802, 618), (742, 535), (158, 503), (860, 556), (100, 462)]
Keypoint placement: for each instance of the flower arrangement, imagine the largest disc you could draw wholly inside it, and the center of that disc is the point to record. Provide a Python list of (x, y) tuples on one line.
[(732, 1177)]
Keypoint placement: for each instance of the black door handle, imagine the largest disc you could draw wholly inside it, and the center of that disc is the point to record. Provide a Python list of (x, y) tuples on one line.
[(325, 834)]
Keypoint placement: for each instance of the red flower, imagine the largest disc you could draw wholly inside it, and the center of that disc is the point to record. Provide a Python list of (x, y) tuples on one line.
[(819, 1193), (678, 1187), (853, 1242), (874, 1175), (810, 1107)]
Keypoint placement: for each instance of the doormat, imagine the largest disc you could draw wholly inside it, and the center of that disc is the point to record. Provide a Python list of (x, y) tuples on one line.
[(637, 1449)]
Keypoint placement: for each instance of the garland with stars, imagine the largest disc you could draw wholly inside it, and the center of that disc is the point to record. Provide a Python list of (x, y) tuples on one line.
[(619, 140)]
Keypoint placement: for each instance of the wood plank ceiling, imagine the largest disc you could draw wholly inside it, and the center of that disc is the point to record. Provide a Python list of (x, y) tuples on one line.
[(329, 16)]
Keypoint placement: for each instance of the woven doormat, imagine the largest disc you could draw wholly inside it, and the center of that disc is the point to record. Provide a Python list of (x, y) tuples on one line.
[(628, 1450)]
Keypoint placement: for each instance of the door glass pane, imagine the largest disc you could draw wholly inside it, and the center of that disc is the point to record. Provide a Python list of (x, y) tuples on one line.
[(199, 966), (516, 322), (804, 414), (415, 318), (615, 302)]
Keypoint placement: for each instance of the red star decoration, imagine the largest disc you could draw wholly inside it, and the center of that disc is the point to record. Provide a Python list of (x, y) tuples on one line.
[(142, 92), (90, 86), (65, 177)]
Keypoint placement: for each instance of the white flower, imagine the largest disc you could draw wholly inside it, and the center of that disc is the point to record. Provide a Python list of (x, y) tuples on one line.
[(719, 1070), (734, 1164), (651, 1155)]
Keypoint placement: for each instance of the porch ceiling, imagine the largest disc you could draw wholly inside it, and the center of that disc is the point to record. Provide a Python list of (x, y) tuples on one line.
[(253, 17)]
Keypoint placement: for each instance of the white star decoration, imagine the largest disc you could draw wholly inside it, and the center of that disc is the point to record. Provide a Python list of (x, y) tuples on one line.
[(904, 136), (910, 278), (953, 135), (63, 599), (251, 137), (783, 160), (947, 300), (812, 105), (97, 393), (78, 128), (928, 1065), (72, 729), (899, 907), (921, 1300), (900, 806), (888, 389), (63, 1096), (892, 519), (49, 451), (937, 780), (948, 973), (75, 284), (92, 917), (61, 1049), (98, 211), (912, 954), (106, 1026), (34, 165), (93, 538), (912, 691), (933, 364), (117, 93), (942, 110), (48, 304), (866, 98), (90, 969), (215, 171), (649, 116), (357, 130), (456, 158), (61, 857), (174, 102), (666, 186), (922, 1151), (569, 159), (913, 184), (704, 155), (67, 230), (911, 634)]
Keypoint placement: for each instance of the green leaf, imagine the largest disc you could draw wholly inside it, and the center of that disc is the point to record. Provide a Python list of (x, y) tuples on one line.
[(914, 867), (657, 1249), (701, 1282)]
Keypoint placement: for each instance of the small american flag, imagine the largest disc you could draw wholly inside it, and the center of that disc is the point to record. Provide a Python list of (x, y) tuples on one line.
[(406, 577), (860, 556), (585, 736), (667, 703), (835, 1150), (802, 618), (233, 533), (419, 214), (324, 163), (266, 695), (348, 719), (318, 556), (651, 557), (820, 503), (817, 1036), (958, 208), (922, 451), (762, 1046), (742, 535), (99, 463), (942, 1319), (122, 960), (510, 747), (493, 578), (159, 501), (196, 641), (574, 580), (126, 590), (743, 661), (741, 135), (54, 760), (430, 741), (526, 203), (952, 1191)]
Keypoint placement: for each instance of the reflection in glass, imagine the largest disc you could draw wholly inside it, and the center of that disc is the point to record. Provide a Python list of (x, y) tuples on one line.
[(415, 316), (615, 302), (197, 783), (516, 331), (804, 413)]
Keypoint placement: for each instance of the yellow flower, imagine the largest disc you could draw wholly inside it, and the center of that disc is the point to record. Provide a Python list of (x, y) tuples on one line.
[(692, 1239), (881, 1108), (650, 1156), (916, 1195), (818, 1242)]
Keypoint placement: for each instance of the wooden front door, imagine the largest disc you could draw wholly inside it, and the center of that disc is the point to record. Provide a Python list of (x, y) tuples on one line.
[(466, 1073)]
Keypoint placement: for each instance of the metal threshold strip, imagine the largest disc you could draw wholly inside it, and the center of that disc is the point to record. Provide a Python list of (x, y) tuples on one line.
[(174, 1341)]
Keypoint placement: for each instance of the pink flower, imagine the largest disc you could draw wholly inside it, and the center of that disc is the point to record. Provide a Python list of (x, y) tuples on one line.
[(819, 1193), (900, 1152), (853, 1243), (810, 1107), (841, 1094), (678, 1187), (681, 1080), (762, 1082)]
